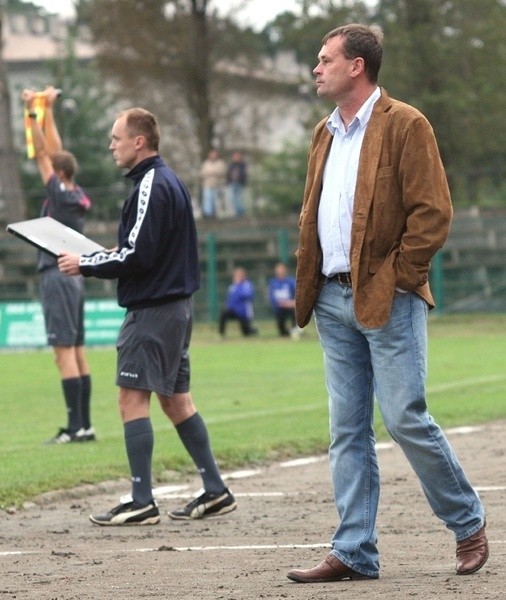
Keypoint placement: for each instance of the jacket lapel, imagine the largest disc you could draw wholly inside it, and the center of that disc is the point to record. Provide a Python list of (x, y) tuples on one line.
[(369, 158)]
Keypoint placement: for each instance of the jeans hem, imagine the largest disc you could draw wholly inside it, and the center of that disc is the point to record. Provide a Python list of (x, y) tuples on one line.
[(470, 532)]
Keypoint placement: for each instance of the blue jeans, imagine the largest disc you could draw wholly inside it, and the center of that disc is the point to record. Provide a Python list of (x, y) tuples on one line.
[(388, 363), (236, 192), (209, 201)]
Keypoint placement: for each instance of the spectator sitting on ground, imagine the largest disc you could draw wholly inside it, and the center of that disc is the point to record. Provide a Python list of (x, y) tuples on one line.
[(239, 306), (282, 299)]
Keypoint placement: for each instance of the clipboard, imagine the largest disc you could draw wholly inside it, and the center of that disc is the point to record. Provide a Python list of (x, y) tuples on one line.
[(51, 236)]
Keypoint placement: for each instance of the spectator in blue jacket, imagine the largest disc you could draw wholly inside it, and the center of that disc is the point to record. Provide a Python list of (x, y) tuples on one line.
[(282, 299), (239, 306)]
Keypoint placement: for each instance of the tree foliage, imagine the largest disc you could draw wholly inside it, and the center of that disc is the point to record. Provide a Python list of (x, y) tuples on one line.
[(84, 123), (284, 176), (447, 58), (303, 32), (11, 196), (166, 53)]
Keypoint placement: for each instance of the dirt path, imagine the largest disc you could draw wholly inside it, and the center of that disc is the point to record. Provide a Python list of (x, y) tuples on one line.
[(285, 518)]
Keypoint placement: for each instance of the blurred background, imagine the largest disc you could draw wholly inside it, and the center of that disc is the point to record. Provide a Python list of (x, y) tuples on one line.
[(236, 76)]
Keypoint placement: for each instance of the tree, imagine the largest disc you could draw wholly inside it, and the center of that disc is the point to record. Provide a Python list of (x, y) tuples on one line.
[(167, 55), (86, 113), (84, 120), (304, 32), (438, 58), (11, 193), (284, 175), (284, 172)]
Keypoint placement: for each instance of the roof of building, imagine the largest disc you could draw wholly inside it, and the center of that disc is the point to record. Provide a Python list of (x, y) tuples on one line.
[(29, 37)]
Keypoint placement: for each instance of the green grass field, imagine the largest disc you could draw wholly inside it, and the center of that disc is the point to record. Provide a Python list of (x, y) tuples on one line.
[(263, 399)]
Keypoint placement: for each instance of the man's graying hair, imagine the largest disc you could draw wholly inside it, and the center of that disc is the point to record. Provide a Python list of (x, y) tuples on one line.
[(141, 122), (362, 41)]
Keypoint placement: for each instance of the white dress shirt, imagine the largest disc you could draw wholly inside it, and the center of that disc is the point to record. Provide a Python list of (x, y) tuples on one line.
[(335, 210)]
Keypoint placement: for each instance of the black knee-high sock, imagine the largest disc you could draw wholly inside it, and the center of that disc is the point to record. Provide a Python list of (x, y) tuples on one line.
[(139, 442), (72, 393), (193, 434), (85, 401)]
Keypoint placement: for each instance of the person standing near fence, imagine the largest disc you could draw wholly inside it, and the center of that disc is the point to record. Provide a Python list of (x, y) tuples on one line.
[(237, 177), (376, 209), (62, 297), (157, 267), (213, 173)]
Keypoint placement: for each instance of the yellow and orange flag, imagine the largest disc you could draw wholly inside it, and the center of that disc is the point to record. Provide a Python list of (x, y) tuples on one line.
[(39, 108)]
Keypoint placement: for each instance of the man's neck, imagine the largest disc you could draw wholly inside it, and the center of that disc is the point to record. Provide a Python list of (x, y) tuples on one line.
[(354, 102)]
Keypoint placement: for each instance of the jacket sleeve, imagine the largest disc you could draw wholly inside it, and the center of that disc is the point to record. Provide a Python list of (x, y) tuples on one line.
[(139, 251), (427, 202)]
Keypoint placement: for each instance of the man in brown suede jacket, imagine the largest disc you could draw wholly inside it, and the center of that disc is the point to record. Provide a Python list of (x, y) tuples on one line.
[(376, 209)]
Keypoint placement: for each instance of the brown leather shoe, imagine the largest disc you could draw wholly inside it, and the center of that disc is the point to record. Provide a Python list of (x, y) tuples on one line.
[(472, 553), (331, 569)]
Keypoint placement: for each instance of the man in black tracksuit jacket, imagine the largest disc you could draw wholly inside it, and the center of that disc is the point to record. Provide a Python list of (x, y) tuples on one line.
[(157, 258), (156, 265)]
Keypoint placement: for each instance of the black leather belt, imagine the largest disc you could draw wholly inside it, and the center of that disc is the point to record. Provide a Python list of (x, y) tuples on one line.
[(341, 278)]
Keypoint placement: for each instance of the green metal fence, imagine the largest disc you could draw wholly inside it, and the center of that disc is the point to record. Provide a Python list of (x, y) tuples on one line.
[(468, 274)]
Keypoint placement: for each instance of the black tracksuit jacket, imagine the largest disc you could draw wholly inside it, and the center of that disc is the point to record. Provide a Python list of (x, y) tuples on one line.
[(157, 256)]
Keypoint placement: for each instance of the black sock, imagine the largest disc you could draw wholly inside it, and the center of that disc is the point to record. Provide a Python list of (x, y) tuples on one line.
[(85, 400), (72, 393), (139, 442), (193, 434)]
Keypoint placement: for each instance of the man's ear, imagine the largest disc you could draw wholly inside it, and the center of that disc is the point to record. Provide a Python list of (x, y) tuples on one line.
[(140, 142), (358, 66)]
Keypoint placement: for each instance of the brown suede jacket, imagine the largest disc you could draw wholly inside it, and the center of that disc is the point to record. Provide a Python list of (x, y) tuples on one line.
[(401, 215)]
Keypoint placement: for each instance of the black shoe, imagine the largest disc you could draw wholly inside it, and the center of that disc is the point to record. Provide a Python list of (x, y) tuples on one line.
[(206, 505), (130, 513), (87, 435), (64, 436)]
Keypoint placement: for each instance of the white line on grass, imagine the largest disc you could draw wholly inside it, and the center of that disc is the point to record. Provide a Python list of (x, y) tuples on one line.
[(461, 383), (169, 492), (249, 547), (19, 552), (245, 547), (188, 548), (431, 389), (463, 430), (206, 548), (251, 414)]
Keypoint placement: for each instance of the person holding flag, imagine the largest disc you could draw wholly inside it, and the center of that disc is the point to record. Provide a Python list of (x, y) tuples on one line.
[(62, 297)]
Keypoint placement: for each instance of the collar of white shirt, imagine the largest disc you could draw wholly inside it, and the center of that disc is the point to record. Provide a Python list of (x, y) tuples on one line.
[(335, 122)]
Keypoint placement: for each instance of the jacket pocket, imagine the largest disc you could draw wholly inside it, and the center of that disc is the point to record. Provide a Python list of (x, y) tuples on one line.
[(383, 172)]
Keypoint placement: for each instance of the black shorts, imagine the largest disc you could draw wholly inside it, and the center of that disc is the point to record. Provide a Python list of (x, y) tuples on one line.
[(62, 299), (153, 348)]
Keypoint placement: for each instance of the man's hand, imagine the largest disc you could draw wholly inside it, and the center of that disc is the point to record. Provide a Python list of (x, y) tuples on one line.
[(69, 264), (51, 95), (28, 97)]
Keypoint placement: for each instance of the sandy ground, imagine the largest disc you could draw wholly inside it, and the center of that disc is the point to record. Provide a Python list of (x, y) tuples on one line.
[(285, 518)]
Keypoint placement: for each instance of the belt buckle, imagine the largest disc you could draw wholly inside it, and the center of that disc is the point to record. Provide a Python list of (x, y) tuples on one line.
[(343, 279)]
